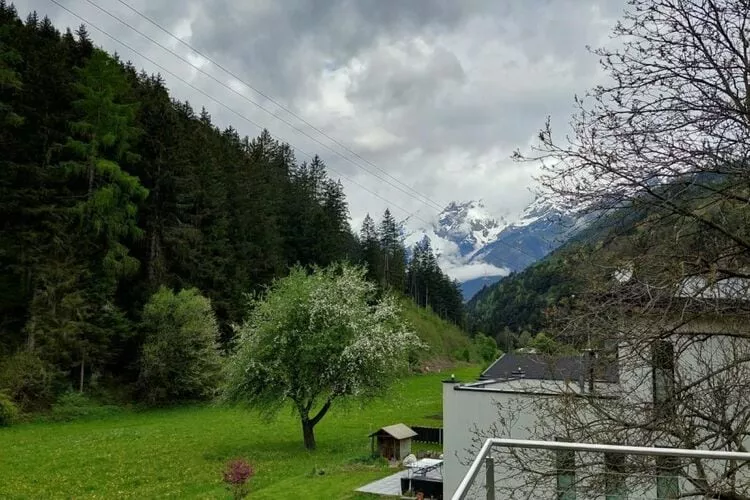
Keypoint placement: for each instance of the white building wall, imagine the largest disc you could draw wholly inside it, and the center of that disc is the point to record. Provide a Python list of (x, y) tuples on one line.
[(696, 362), (465, 411), (513, 415)]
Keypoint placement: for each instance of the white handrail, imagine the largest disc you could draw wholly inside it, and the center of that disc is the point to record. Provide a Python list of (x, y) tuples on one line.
[(468, 479)]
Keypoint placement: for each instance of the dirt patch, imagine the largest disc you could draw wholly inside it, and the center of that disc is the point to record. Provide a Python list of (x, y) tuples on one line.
[(436, 365)]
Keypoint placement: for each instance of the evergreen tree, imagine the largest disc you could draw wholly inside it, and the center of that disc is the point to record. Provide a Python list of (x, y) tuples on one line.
[(10, 82), (392, 252), (104, 220), (430, 287), (339, 240), (371, 252)]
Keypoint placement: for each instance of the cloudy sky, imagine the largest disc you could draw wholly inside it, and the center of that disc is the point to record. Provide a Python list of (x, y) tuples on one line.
[(433, 95)]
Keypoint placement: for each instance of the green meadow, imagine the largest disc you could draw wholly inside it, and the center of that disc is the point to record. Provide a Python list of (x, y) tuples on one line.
[(181, 452)]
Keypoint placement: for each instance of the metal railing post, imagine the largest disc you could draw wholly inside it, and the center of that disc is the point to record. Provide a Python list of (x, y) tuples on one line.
[(489, 482)]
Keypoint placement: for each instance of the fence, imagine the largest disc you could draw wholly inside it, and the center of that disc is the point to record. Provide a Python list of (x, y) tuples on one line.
[(432, 435), (484, 460)]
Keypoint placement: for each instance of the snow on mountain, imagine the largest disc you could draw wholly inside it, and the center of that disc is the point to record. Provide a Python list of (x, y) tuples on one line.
[(457, 234), (541, 228), (460, 230), (536, 210), (469, 225), (476, 247)]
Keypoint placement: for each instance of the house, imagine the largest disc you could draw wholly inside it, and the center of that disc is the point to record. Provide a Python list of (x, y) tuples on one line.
[(709, 355), (393, 441), (514, 384)]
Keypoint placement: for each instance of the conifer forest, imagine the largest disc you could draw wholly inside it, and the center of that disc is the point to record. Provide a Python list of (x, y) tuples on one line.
[(110, 190)]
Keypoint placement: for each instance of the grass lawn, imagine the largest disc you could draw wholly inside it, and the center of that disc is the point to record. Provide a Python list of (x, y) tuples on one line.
[(180, 452)]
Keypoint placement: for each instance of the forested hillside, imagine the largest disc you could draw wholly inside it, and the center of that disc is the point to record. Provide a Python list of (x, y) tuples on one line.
[(110, 189), (519, 306), (525, 303)]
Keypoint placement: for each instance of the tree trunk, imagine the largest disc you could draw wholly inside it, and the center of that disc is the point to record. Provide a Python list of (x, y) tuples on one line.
[(80, 387), (308, 424), (308, 434)]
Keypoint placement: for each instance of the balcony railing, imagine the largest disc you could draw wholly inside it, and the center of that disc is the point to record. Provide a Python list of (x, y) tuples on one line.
[(485, 459)]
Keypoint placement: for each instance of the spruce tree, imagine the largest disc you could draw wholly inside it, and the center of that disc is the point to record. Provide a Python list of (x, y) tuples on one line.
[(371, 251), (393, 253), (103, 217)]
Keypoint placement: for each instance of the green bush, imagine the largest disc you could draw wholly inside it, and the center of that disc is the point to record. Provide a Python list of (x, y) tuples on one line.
[(8, 410), (180, 356), (74, 405), (27, 380), (464, 354), (485, 348), (524, 339)]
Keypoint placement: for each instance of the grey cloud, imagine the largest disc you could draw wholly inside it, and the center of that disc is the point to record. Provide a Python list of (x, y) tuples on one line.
[(419, 87), (410, 79)]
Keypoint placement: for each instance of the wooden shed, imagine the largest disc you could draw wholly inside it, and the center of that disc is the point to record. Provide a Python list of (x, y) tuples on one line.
[(393, 441)]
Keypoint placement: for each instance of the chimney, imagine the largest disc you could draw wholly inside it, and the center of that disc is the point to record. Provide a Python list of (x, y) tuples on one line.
[(590, 367)]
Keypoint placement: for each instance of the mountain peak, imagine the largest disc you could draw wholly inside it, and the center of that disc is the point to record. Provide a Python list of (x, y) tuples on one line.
[(469, 225)]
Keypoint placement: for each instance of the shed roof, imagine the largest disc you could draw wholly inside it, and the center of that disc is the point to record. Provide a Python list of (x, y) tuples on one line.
[(396, 431)]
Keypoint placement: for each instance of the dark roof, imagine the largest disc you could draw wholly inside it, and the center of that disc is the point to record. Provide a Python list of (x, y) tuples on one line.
[(545, 367)]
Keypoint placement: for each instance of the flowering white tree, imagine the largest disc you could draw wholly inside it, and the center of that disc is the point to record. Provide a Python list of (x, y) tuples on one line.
[(314, 339)]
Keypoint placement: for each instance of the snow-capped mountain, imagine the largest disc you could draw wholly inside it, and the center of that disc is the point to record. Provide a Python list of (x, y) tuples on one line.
[(460, 230), (478, 248), (469, 225), (541, 228)]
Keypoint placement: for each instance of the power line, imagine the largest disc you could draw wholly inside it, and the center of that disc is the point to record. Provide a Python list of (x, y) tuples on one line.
[(242, 116), (217, 101), (274, 101), (258, 105)]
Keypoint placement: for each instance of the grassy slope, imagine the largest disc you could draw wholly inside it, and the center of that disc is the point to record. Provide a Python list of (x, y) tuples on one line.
[(444, 338), (180, 453)]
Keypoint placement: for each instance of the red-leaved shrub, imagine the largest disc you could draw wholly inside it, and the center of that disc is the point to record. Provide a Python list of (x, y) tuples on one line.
[(236, 475)]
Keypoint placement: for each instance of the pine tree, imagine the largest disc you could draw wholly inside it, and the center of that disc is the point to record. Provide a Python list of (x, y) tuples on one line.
[(10, 82), (430, 287), (104, 218), (392, 252), (371, 251), (337, 230)]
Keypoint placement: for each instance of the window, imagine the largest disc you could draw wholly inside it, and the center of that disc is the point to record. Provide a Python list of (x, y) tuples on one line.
[(614, 465), (667, 470), (566, 473), (662, 362)]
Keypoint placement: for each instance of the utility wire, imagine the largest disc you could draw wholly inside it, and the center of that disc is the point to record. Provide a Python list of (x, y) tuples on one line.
[(410, 214), (274, 101), (217, 101), (260, 106)]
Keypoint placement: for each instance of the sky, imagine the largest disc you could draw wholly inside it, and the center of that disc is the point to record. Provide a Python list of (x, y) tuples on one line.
[(430, 96)]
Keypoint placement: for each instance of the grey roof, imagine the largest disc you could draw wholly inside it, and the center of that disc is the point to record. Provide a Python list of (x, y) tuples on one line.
[(545, 367), (397, 431)]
